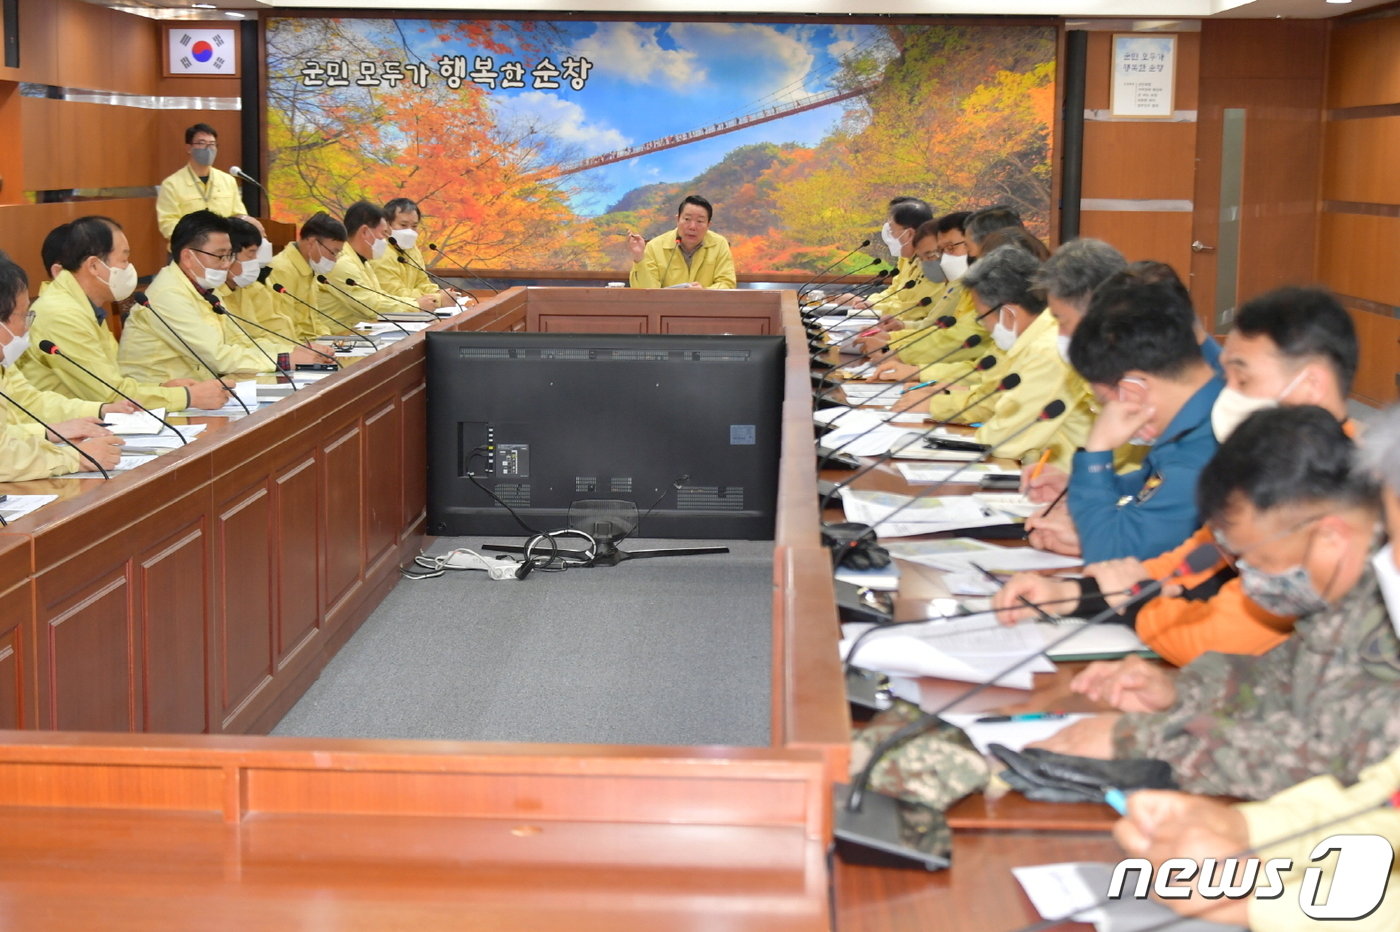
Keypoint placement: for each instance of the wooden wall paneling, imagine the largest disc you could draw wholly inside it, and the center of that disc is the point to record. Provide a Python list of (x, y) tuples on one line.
[(296, 503), (1356, 256), (17, 708), (1164, 236), (24, 226), (102, 49), (175, 607), (1359, 160), (245, 607), (342, 474), (11, 155), (1364, 68), (1278, 223), (38, 44), (167, 141), (384, 465), (414, 500), (1379, 337), (62, 147), (1139, 160)]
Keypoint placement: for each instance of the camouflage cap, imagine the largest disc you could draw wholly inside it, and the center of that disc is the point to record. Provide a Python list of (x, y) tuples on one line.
[(937, 768)]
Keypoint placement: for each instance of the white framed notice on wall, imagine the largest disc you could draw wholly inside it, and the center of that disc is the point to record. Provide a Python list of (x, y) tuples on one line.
[(1144, 76), (196, 50)]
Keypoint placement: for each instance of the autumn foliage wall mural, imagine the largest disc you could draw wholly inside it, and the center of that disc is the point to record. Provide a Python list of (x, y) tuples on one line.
[(537, 144)]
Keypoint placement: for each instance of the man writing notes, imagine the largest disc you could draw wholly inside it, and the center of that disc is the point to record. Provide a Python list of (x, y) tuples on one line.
[(1287, 505), (1162, 825), (691, 256), (198, 185), (94, 269), (25, 454)]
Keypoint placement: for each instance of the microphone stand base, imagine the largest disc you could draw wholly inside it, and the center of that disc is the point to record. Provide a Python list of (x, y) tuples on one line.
[(888, 832), (862, 604), (867, 692)]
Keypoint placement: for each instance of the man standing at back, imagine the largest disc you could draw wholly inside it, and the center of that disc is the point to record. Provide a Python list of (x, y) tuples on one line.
[(198, 185), (691, 256)]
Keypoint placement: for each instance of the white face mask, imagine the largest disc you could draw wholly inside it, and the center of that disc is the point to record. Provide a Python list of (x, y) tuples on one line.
[(14, 349), (121, 282), (954, 267), (1062, 346), (1389, 578), (892, 242), (211, 278), (407, 239), (1233, 407), (248, 273), (322, 265), (377, 248), (1003, 336), (264, 252)]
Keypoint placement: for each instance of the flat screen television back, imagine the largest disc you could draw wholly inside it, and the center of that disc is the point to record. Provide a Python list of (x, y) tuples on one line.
[(686, 427)]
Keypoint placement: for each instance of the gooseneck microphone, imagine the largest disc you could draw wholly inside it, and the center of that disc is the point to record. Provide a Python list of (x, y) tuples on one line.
[(326, 281), (817, 279), (1048, 413), (47, 347), (985, 363), (141, 299), (280, 289), (485, 284), (1006, 384), (223, 311), (237, 172), (865, 818), (973, 341), (49, 430), (405, 259), (351, 283), (855, 335)]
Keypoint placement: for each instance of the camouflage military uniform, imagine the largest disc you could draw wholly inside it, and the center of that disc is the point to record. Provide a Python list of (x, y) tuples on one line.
[(1322, 702)]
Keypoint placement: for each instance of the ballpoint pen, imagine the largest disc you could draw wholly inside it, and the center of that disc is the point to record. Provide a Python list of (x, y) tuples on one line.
[(1019, 717)]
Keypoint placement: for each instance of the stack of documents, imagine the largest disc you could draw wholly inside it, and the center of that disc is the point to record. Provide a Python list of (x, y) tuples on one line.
[(15, 507), (963, 554), (972, 650), (916, 515), (246, 391)]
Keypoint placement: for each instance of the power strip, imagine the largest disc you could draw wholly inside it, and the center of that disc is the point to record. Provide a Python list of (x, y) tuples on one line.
[(501, 568)]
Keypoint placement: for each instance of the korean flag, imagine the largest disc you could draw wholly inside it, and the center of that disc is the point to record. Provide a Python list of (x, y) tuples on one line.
[(202, 51)]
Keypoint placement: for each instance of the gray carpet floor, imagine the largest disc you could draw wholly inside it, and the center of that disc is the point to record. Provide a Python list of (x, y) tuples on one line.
[(672, 651)]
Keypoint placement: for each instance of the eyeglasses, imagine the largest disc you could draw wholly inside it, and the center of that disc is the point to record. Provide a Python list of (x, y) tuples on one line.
[(204, 145), (1233, 556), (224, 257)]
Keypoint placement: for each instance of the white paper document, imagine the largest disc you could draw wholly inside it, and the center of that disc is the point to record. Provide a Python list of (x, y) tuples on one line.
[(15, 507), (137, 422), (1075, 891), (247, 391), (972, 650), (964, 554), (921, 516), (1092, 642), (128, 461), (928, 473), (169, 440)]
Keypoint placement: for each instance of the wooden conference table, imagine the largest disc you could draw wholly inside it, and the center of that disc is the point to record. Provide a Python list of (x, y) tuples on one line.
[(154, 626)]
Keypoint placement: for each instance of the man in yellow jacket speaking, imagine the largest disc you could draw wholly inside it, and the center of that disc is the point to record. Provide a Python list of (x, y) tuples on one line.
[(690, 256)]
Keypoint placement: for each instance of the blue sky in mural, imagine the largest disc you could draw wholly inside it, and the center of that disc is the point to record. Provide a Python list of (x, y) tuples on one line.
[(692, 74)]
